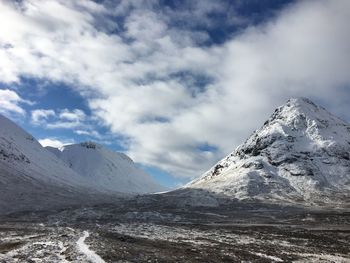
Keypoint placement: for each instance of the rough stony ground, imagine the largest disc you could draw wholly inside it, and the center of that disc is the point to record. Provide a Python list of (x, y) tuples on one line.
[(154, 229), (139, 233), (147, 242)]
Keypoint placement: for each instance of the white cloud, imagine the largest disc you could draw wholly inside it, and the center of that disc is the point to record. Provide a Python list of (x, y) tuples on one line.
[(54, 142), (10, 102), (63, 119), (69, 119), (63, 125), (75, 115), (90, 133), (142, 81), (40, 115)]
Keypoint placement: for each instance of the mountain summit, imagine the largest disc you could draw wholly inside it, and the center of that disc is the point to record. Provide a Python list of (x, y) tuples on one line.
[(301, 153)]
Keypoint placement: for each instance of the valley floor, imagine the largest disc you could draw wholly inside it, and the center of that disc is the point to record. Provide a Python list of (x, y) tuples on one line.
[(122, 234)]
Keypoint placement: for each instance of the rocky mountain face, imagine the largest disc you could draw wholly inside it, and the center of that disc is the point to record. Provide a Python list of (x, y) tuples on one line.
[(301, 153), (105, 169)]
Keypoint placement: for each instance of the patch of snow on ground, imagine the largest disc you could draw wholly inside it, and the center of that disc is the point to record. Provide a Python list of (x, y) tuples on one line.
[(181, 234), (322, 258), (274, 259), (84, 248)]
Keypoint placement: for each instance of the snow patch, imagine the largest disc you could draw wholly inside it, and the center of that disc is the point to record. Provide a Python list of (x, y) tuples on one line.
[(91, 256), (274, 259)]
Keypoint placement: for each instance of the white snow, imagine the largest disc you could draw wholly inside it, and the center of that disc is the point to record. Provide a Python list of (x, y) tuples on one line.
[(318, 258), (182, 234), (105, 169), (273, 258), (33, 178), (23, 153), (91, 256)]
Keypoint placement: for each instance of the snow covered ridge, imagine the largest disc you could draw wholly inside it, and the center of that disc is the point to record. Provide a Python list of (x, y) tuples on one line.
[(301, 153), (106, 169), (20, 152)]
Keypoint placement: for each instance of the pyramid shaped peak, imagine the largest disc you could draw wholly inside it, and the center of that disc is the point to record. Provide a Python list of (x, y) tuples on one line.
[(298, 118), (301, 101), (301, 153), (301, 104), (303, 108)]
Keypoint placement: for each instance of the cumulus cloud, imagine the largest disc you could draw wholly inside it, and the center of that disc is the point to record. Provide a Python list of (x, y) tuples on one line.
[(62, 119), (54, 142), (40, 115), (90, 133), (75, 119), (74, 115), (10, 102), (159, 86)]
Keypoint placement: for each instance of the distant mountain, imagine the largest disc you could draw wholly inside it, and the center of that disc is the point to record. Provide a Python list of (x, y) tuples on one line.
[(105, 169), (32, 177), (300, 154)]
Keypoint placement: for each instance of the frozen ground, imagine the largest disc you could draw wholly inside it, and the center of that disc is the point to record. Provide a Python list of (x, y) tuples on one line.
[(154, 231)]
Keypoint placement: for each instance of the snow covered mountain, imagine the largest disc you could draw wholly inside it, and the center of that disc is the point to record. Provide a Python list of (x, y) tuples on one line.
[(23, 153), (31, 177), (105, 169), (301, 153)]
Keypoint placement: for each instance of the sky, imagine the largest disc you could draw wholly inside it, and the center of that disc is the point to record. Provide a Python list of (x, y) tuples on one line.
[(175, 84)]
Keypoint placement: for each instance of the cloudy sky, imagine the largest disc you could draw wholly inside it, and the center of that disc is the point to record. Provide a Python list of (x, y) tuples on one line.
[(174, 84)]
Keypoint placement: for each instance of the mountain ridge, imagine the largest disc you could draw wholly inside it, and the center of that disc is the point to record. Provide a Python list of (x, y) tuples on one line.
[(109, 170)]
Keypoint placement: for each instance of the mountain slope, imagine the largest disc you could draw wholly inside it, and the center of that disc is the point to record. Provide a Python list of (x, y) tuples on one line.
[(106, 169), (300, 154), (20, 151), (33, 178)]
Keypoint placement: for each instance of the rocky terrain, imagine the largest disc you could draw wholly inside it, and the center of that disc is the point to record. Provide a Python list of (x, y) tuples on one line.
[(150, 230)]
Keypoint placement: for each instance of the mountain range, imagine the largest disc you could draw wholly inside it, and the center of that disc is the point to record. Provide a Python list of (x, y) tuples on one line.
[(34, 177), (300, 155)]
